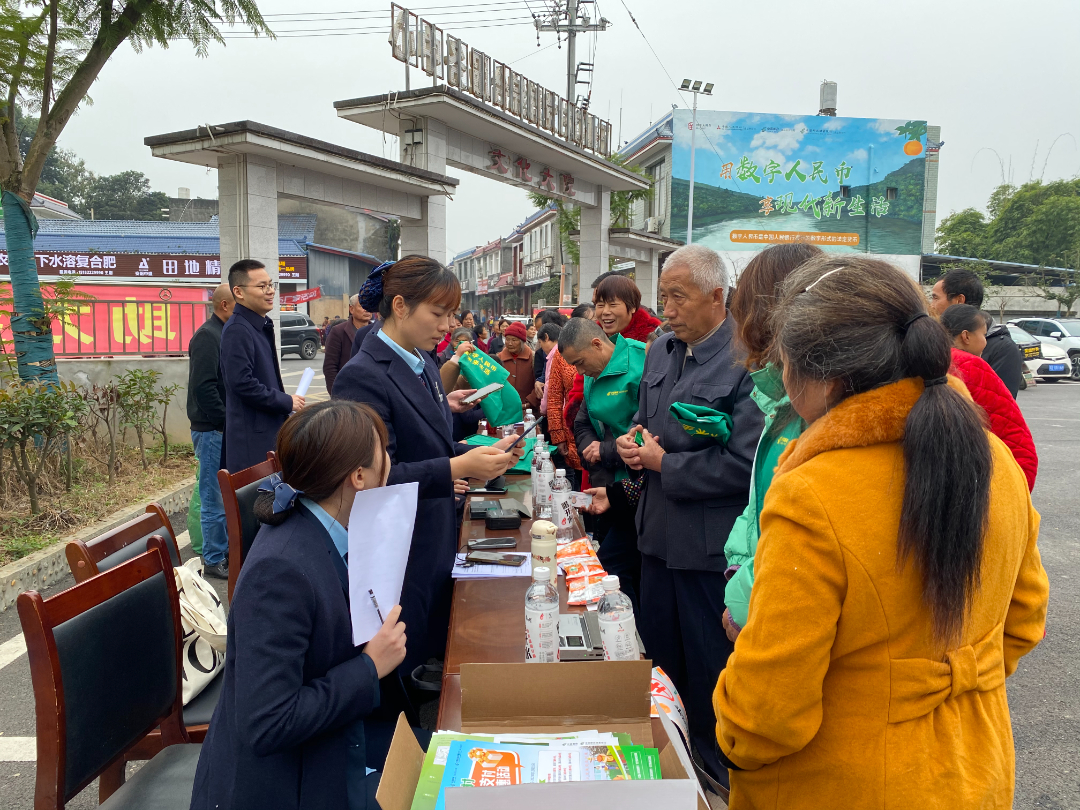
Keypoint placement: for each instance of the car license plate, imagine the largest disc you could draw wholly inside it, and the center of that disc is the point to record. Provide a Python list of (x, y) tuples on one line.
[(1055, 367)]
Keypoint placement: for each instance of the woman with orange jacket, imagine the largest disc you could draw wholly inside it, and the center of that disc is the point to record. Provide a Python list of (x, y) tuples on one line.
[(898, 581)]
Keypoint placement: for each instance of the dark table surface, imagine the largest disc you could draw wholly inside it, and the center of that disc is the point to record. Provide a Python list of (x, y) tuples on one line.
[(486, 619)]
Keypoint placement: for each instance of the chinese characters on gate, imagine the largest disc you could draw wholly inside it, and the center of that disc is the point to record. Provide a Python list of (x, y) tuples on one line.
[(133, 265)]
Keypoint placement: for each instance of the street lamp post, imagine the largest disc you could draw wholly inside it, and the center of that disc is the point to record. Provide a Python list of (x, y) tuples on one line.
[(694, 88)]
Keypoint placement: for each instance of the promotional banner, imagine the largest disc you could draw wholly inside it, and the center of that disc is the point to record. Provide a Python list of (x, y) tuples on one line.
[(128, 320), (301, 297), (843, 184)]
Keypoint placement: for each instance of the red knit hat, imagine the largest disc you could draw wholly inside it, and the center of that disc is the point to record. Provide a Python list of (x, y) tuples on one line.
[(516, 330)]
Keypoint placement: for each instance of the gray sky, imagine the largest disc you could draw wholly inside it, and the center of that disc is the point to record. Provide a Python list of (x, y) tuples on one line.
[(992, 74)]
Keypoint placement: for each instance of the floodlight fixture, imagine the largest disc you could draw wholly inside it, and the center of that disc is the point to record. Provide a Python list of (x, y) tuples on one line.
[(697, 86), (708, 88), (685, 84)]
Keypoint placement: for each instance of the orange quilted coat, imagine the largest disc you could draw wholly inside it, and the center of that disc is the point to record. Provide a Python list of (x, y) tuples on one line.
[(837, 695)]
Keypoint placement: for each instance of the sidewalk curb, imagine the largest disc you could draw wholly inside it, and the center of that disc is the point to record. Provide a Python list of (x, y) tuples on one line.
[(49, 564)]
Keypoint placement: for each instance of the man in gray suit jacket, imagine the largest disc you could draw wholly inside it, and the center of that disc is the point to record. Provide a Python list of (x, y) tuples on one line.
[(695, 486)]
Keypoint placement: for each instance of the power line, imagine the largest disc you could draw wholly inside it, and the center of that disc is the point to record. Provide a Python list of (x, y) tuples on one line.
[(356, 31)]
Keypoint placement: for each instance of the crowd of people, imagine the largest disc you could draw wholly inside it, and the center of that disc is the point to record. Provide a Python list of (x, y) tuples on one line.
[(814, 489)]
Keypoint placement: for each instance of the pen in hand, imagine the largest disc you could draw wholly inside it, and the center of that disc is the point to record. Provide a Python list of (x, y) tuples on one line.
[(375, 602)]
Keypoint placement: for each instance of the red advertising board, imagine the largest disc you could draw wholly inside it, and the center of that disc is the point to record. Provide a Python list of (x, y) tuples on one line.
[(129, 320), (301, 297)]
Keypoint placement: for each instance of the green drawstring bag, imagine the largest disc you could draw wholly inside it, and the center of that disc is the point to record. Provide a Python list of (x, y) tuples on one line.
[(698, 420), (503, 407)]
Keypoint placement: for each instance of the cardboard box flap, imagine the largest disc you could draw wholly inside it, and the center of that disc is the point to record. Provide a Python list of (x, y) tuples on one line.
[(402, 769), (608, 692), (675, 759), (675, 794)]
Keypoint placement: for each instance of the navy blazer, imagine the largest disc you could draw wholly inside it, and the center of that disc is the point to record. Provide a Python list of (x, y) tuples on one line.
[(419, 423), (295, 686), (686, 512), (256, 404)]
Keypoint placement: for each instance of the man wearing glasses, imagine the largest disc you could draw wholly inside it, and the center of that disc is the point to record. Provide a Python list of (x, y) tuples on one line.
[(256, 404)]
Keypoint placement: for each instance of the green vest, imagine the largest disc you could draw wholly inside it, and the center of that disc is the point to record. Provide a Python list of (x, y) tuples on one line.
[(613, 396)]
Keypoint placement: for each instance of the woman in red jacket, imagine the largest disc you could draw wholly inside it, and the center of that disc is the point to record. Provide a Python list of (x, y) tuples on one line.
[(968, 329)]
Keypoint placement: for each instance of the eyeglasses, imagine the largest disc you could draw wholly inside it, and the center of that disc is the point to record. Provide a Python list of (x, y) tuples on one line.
[(266, 286)]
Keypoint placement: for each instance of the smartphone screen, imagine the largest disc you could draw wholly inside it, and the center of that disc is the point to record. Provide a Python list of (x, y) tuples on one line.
[(483, 392), (493, 542), (495, 558)]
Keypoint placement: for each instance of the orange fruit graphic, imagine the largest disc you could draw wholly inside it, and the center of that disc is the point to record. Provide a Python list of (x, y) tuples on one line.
[(912, 148)]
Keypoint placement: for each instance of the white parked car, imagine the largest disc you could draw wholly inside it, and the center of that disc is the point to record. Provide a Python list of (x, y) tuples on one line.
[(1064, 332), (1050, 364)]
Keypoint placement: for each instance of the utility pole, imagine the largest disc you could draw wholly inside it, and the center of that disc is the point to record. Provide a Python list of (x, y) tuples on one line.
[(570, 21), (695, 89)]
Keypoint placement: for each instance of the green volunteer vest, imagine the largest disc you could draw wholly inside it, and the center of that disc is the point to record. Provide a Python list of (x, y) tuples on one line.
[(613, 396)]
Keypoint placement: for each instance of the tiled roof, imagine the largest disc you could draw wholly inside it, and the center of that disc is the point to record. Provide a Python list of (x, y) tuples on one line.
[(659, 129), (127, 236)]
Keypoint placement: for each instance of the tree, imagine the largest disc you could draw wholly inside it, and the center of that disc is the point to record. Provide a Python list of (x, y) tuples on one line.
[(126, 195), (50, 55), (1036, 224), (1064, 288)]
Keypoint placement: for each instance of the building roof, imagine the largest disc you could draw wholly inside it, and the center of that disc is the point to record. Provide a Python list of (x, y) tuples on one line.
[(191, 144), (932, 261), (132, 236), (374, 261), (658, 131)]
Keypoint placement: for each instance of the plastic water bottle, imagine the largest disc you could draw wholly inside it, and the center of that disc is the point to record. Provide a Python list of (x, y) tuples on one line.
[(618, 630), (528, 417), (482, 428), (562, 511), (544, 479), (534, 475), (542, 619)]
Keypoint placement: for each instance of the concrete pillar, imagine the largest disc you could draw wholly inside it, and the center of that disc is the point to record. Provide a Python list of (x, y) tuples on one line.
[(247, 216), (648, 277), (594, 242), (426, 235)]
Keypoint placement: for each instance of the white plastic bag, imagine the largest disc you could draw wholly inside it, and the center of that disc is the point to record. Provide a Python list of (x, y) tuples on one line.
[(202, 619)]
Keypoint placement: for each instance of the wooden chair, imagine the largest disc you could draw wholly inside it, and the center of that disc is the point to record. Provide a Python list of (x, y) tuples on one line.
[(238, 492), (105, 661), (89, 558)]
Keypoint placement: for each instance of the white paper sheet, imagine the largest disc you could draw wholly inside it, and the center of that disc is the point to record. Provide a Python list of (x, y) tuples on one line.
[(490, 571), (380, 535), (305, 382)]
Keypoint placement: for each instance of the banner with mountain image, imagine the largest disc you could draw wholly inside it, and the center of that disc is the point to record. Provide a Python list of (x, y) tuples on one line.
[(843, 184)]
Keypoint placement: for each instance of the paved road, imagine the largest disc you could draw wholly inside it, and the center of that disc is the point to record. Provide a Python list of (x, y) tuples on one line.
[(1044, 693)]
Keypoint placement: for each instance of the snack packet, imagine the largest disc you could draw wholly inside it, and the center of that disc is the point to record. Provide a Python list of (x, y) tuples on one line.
[(585, 590), (581, 566), (575, 548)]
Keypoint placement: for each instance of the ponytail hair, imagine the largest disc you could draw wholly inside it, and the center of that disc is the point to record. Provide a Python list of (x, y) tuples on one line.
[(864, 322), (319, 447)]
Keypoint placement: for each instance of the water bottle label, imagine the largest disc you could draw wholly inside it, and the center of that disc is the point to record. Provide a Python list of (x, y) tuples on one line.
[(562, 513), (542, 636), (619, 639)]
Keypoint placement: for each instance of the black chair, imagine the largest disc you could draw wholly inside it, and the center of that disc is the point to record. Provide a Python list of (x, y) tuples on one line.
[(238, 493), (89, 558), (105, 661)]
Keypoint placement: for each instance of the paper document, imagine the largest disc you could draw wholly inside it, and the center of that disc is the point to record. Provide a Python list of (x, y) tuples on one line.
[(488, 570), (305, 382), (380, 535)]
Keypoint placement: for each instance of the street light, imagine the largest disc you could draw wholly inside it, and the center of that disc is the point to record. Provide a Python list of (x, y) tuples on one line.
[(696, 89)]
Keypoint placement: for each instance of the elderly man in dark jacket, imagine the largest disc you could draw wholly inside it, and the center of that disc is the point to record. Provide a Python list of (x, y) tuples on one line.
[(206, 412), (339, 341), (256, 404), (695, 487)]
